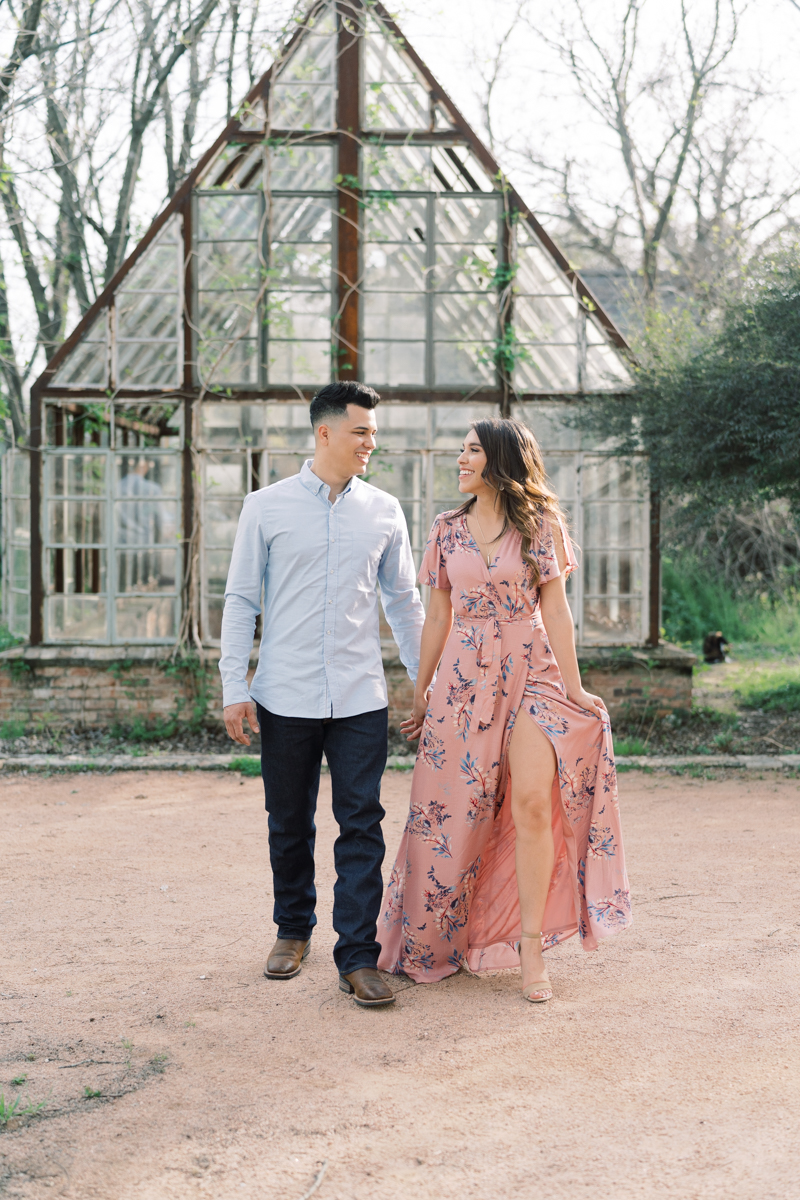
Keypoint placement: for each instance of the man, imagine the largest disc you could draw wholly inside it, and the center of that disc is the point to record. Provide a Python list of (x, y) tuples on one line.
[(319, 543)]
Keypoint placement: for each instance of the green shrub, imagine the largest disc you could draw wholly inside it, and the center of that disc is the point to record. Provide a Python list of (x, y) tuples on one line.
[(626, 747), (248, 764), (773, 691), (11, 730)]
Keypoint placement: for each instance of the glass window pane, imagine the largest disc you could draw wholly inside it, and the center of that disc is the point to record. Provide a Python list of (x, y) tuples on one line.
[(546, 368), (396, 106), (21, 520), (402, 426), (548, 426), (220, 518), (232, 424), (299, 362), (227, 314), (464, 315), (459, 363), (230, 217), (20, 567), (228, 266), (612, 621), (537, 273), (226, 475), (312, 62), (456, 169), (394, 268), (465, 268), (76, 618), (76, 572), (147, 570), (282, 466), (545, 319), (148, 364), (451, 422), (396, 219), (217, 565), (74, 522), (289, 427), (394, 315), (394, 363), (300, 265), (468, 220), (612, 525), (146, 477), (605, 369), (87, 364), (147, 315), (140, 619), (396, 168), (302, 106), (445, 480), (146, 522), (300, 168), (299, 315), (300, 219), (232, 362), (156, 270), (20, 615), (213, 629), (19, 474), (76, 474), (613, 478), (612, 573)]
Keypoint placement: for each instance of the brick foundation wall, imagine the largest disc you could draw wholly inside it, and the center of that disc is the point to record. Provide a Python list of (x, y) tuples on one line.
[(102, 686)]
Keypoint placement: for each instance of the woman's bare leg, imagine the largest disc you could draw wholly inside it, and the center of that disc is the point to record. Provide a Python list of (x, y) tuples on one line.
[(532, 765)]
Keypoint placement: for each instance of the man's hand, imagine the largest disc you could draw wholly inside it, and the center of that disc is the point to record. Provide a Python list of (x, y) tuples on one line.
[(234, 715)]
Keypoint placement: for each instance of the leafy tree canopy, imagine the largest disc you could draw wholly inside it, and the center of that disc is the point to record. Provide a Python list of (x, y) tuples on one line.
[(717, 407)]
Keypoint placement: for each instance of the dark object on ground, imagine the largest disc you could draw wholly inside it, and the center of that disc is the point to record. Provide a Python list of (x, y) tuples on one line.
[(714, 647)]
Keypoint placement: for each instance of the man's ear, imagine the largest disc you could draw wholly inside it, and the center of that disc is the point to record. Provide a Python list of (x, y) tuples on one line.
[(322, 434)]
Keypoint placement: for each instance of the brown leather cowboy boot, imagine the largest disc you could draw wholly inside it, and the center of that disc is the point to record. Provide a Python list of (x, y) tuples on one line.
[(367, 988), (286, 958)]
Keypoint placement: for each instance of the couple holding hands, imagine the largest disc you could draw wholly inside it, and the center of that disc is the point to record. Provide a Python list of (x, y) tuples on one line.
[(512, 842)]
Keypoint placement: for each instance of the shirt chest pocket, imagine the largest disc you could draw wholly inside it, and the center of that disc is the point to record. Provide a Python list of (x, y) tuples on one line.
[(360, 553)]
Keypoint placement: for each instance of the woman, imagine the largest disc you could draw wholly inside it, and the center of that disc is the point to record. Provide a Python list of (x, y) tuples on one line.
[(513, 841)]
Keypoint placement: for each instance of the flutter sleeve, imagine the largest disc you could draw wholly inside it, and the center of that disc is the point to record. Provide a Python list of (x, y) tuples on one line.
[(552, 529), (433, 571)]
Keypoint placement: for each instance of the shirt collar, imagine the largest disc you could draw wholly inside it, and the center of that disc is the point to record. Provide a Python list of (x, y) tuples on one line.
[(316, 485)]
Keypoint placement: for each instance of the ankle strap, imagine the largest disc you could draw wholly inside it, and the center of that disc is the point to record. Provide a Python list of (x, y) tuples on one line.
[(530, 935)]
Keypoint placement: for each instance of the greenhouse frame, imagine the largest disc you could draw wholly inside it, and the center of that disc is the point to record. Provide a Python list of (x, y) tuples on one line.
[(346, 224)]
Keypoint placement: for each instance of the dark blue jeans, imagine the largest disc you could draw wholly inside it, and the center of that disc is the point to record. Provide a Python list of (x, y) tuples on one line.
[(291, 756)]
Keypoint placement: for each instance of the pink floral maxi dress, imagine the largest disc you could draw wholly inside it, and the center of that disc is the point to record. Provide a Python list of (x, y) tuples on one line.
[(452, 894)]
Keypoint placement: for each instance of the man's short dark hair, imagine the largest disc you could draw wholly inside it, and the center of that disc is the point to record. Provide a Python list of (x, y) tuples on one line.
[(331, 401)]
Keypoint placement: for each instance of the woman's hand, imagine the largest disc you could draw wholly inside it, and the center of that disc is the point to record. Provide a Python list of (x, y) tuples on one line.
[(412, 728), (593, 703)]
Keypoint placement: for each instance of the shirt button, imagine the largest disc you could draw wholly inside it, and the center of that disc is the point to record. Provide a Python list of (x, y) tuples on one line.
[(328, 631), (331, 570), (327, 662), (330, 602)]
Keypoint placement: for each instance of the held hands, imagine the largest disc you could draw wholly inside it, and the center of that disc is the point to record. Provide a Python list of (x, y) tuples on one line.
[(588, 701), (233, 716), (412, 728)]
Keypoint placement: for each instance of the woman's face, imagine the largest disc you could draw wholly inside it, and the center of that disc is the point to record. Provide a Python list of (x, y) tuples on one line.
[(471, 464)]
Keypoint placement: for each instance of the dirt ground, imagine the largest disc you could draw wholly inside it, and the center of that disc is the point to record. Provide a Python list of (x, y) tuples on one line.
[(135, 923)]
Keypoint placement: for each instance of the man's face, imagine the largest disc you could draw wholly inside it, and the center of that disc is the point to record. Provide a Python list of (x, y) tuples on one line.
[(349, 441)]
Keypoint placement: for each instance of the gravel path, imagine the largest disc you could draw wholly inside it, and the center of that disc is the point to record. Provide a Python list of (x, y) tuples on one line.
[(135, 919)]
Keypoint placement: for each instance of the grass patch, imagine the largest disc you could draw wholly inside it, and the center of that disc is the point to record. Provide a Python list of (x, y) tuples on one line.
[(15, 1108), (248, 764), (696, 602), (90, 1093), (11, 730), (773, 691), (628, 747)]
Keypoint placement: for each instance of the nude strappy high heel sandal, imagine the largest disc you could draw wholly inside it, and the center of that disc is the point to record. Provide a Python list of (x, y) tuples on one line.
[(540, 990)]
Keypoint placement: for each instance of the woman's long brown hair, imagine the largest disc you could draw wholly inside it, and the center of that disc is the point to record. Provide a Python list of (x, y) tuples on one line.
[(515, 468)]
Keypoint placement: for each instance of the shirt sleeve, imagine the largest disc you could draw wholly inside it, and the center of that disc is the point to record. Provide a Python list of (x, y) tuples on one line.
[(242, 602), (546, 551), (433, 571), (399, 596)]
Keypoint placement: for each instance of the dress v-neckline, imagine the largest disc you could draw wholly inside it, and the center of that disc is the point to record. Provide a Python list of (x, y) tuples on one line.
[(500, 541)]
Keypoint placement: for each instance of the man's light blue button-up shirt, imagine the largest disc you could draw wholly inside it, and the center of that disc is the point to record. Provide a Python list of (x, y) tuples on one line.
[(319, 564)]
